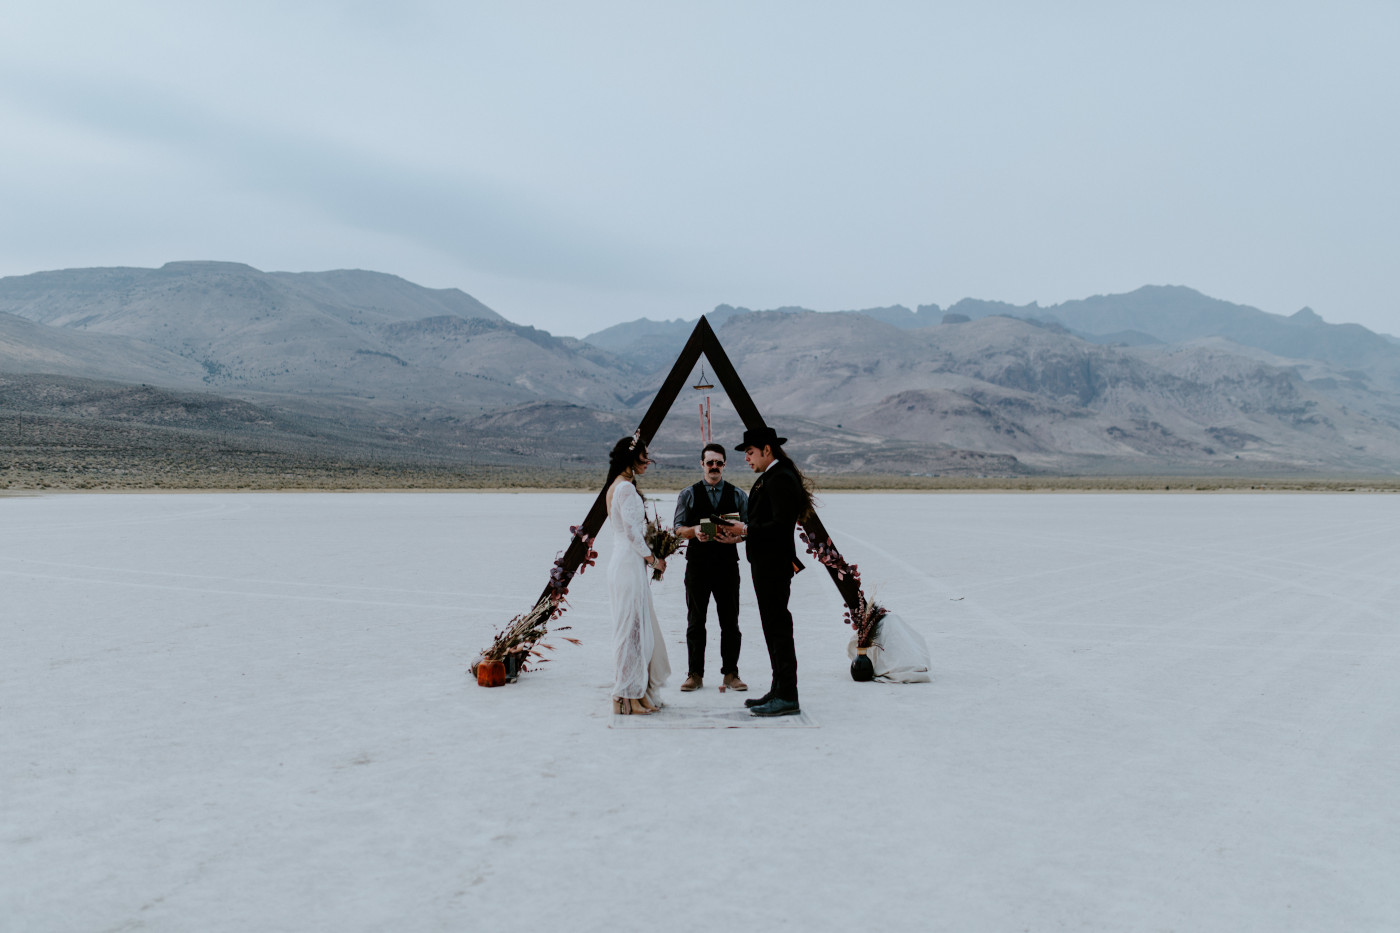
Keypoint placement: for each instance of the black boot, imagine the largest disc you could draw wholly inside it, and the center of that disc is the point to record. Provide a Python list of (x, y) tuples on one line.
[(776, 707), (751, 702)]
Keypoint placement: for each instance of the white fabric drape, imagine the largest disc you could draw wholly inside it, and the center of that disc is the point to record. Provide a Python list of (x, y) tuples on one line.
[(638, 649), (898, 652)]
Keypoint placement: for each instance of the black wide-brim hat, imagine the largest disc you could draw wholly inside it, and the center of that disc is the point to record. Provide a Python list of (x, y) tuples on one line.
[(761, 437)]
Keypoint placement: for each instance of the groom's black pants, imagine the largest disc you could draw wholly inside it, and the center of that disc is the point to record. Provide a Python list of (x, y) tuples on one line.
[(771, 587), (720, 579)]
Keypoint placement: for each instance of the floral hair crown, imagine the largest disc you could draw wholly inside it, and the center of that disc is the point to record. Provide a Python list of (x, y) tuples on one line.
[(636, 437)]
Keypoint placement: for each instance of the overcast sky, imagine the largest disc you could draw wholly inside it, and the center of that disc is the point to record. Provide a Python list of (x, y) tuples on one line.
[(574, 165)]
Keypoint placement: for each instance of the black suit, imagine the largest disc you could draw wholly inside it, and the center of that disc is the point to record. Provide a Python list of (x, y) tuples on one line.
[(776, 502)]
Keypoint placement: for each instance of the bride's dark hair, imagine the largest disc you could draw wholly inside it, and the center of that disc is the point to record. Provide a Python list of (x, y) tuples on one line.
[(624, 456)]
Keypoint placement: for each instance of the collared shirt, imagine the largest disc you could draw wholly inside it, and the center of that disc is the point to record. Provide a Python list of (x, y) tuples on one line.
[(687, 498)]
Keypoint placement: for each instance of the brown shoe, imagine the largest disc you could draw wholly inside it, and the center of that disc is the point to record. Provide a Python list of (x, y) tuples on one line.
[(732, 682), (692, 682)]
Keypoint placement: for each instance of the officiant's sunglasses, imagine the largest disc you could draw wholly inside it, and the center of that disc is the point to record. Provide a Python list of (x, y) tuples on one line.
[(714, 463)]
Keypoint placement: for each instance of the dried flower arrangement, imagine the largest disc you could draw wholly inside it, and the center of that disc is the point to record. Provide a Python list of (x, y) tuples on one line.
[(866, 618), (521, 636), (662, 540)]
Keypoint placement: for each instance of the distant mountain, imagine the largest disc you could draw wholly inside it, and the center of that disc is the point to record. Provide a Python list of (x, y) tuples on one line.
[(120, 298), (1158, 380), (326, 338), (1173, 314), (1034, 391), (60, 431), (27, 347), (902, 317), (649, 344), (1149, 315), (115, 403)]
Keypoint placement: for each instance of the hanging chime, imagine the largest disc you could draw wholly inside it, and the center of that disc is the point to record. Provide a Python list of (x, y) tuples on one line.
[(704, 385)]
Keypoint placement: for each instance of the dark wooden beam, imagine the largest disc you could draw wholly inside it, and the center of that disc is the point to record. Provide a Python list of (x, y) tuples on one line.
[(651, 421), (729, 378), (676, 381)]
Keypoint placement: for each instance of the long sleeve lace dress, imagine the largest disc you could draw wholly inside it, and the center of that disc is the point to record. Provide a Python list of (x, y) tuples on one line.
[(640, 653)]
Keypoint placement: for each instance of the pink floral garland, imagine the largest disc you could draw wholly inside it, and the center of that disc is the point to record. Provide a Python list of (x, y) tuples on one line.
[(869, 614)]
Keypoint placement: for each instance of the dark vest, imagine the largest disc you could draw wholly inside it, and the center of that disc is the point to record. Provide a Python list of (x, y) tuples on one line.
[(710, 552)]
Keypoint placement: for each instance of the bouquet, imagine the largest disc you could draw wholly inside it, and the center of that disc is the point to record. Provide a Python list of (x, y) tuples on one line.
[(662, 540)]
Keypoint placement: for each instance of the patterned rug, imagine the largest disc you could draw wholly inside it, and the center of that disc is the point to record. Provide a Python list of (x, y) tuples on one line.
[(697, 717)]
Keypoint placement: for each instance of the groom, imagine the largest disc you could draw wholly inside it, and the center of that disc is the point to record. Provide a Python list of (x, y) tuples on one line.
[(778, 501)]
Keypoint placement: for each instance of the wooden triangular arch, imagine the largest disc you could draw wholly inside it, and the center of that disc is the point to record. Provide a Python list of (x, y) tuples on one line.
[(703, 341)]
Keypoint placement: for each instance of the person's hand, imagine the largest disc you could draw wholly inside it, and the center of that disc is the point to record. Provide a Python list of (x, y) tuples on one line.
[(729, 536), (659, 565), (700, 535)]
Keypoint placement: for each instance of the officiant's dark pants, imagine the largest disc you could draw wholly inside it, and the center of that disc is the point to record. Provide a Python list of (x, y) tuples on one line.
[(719, 579), (772, 587)]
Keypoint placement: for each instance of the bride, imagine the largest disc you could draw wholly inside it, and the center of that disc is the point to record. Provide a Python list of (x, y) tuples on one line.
[(640, 654)]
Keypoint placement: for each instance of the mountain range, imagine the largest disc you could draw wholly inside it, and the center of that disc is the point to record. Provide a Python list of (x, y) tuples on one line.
[(1157, 381)]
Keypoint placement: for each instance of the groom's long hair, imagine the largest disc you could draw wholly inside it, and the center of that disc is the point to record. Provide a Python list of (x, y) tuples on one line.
[(624, 456), (808, 487)]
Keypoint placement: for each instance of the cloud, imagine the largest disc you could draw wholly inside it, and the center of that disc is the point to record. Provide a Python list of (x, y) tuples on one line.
[(663, 158), (483, 223)]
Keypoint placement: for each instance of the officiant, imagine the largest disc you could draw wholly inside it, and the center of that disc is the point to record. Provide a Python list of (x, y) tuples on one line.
[(711, 568)]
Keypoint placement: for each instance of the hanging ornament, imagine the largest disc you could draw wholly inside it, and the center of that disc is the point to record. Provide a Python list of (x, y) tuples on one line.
[(704, 385)]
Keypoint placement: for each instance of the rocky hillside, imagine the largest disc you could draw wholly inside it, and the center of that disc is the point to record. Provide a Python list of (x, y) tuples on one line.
[(1053, 400), (1158, 381), (27, 347), (1151, 315), (324, 339), (1174, 314)]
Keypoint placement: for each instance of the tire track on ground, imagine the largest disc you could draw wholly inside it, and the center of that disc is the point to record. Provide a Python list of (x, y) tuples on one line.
[(202, 591)]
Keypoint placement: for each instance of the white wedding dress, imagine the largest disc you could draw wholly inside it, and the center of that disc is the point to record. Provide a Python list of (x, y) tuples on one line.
[(638, 650)]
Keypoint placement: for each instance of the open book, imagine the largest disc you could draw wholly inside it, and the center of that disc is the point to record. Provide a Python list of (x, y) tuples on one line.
[(708, 526)]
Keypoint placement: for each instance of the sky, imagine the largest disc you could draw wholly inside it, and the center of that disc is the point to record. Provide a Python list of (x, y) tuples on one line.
[(576, 165)]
